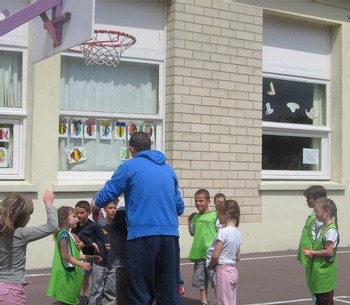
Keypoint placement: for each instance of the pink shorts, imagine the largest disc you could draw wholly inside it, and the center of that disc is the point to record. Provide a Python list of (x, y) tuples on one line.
[(12, 294)]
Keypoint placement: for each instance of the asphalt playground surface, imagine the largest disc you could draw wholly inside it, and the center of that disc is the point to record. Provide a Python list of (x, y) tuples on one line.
[(264, 278)]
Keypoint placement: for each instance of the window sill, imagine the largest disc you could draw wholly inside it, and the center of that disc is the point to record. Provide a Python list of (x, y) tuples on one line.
[(77, 187), (17, 187), (298, 185)]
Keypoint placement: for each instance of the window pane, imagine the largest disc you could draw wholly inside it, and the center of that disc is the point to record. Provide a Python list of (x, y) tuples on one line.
[(6, 145), (291, 153), (87, 144), (130, 88), (10, 79), (294, 102)]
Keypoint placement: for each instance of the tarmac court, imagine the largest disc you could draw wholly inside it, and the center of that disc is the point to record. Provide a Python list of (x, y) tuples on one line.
[(264, 279)]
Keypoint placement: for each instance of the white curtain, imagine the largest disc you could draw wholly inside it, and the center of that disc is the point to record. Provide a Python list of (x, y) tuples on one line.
[(129, 88), (10, 79)]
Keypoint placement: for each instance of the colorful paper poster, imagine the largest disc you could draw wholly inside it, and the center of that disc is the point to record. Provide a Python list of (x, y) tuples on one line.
[(76, 128), (77, 154), (120, 131), (149, 129), (106, 130), (4, 134), (3, 157), (132, 127), (90, 129), (124, 153), (63, 128)]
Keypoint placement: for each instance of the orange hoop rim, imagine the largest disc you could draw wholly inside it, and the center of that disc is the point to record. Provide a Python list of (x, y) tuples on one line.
[(112, 43)]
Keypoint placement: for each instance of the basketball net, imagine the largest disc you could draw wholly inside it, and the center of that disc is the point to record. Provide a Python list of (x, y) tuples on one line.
[(106, 47)]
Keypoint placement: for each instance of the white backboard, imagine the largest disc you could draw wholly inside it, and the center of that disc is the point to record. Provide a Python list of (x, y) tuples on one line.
[(75, 31)]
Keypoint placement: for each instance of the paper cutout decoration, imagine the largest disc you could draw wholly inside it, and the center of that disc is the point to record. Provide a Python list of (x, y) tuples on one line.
[(77, 154), (3, 157), (271, 91), (120, 130), (269, 110), (311, 156), (132, 128), (310, 114), (148, 129), (106, 130), (4, 134), (124, 152), (293, 106), (63, 128), (76, 128), (90, 129)]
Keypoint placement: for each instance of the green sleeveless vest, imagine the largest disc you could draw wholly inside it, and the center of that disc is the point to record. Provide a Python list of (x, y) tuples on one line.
[(321, 273), (306, 240), (65, 283)]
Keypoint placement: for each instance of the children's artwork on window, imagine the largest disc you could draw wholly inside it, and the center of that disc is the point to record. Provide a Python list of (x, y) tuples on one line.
[(293, 106), (269, 109), (63, 128), (4, 134), (149, 129), (310, 114), (106, 130), (90, 129), (132, 128), (271, 90), (120, 130), (76, 128), (77, 154), (3, 157), (124, 152)]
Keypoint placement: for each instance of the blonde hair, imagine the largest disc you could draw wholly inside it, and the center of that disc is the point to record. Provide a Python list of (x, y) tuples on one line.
[(15, 212)]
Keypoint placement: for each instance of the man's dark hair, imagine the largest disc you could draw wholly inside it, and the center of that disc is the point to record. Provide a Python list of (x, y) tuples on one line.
[(140, 141)]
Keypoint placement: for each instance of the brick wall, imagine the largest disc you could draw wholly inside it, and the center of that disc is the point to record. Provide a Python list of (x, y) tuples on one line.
[(213, 100)]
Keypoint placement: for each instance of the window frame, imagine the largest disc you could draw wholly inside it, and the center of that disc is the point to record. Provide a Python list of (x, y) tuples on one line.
[(302, 130), (17, 117), (158, 120)]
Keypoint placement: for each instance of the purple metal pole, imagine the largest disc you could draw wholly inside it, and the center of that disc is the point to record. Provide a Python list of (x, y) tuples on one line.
[(26, 14)]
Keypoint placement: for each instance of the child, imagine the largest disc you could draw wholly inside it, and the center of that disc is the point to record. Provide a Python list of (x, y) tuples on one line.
[(201, 226), (322, 275), (14, 237), (98, 235), (225, 252), (219, 197), (117, 257), (66, 280), (83, 211), (311, 226)]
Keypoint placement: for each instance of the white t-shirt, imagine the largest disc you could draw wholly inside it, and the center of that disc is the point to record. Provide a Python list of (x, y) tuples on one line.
[(231, 238)]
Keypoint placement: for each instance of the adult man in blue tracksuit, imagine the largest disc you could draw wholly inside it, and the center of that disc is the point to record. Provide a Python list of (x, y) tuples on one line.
[(153, 203)]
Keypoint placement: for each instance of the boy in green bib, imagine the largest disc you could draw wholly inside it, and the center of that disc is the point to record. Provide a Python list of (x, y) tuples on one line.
[(312, 225)]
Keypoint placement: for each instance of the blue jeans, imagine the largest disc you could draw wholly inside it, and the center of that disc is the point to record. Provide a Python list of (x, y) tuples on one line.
[(153, 270), (103, 285)]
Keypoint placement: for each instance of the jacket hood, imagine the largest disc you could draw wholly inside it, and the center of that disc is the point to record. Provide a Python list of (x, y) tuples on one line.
[(154, 155)]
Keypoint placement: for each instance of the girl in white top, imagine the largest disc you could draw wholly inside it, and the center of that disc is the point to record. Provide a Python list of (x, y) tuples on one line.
[(225, 252)]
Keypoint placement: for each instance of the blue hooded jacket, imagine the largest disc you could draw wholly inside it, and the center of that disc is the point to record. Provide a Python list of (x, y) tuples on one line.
[(151, 193)]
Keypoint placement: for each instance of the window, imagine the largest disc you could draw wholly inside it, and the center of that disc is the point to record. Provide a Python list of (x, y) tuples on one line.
[(12, 114), (101, 106), (296, 99), (295, 133)]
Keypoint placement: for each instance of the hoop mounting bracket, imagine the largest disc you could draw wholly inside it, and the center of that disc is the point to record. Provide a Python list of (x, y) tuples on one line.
[(39, 8)]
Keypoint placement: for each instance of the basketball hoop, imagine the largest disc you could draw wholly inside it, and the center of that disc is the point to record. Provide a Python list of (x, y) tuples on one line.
[(106, 47)]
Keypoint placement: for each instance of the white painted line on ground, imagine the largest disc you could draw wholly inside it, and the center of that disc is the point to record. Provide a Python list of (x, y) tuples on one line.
[(242, 259), (339, 299)]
